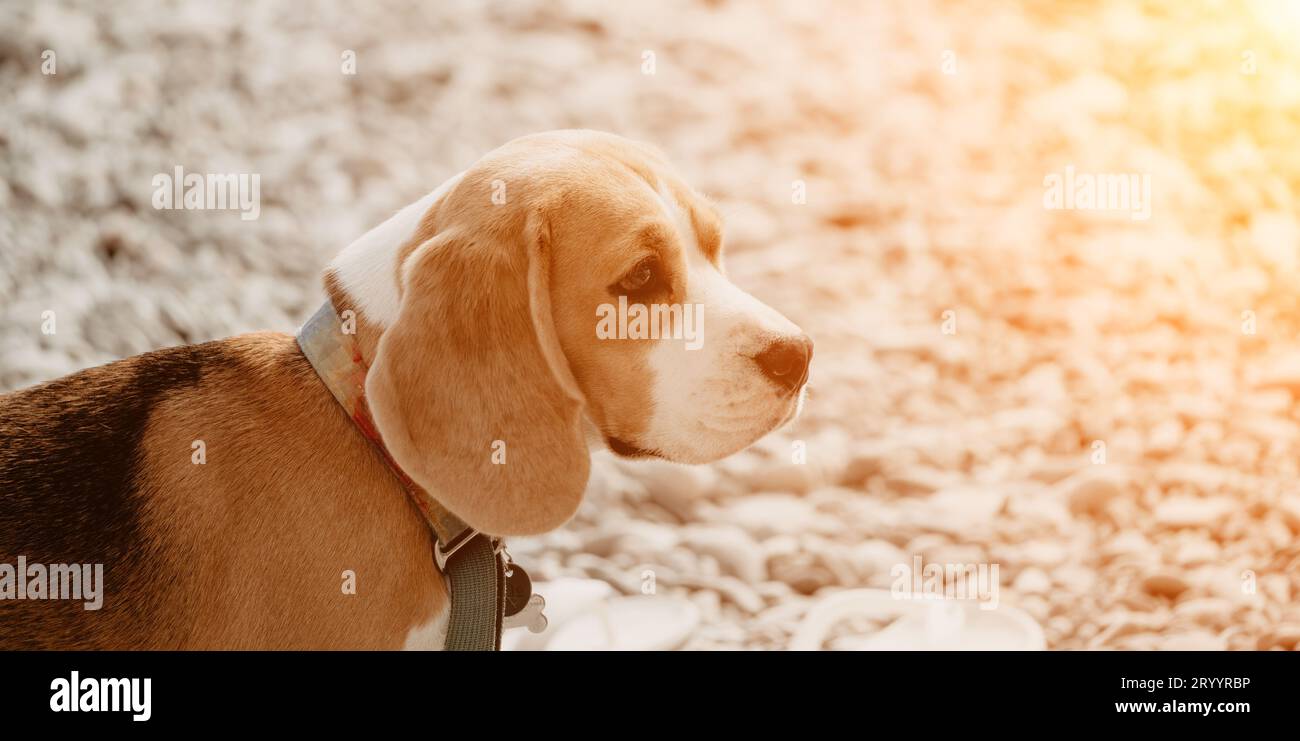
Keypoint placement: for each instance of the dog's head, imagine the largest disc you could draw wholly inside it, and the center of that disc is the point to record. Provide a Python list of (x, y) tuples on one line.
[(567, 286)]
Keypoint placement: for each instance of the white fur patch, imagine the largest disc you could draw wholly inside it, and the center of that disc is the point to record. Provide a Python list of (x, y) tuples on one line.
[(432, 636), (711, 402), (367, 269)]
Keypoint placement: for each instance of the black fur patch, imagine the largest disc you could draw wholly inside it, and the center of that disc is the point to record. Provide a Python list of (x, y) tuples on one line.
[(69, 465)]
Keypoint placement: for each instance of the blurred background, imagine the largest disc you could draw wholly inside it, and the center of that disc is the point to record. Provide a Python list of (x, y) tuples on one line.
[(1102, 408)]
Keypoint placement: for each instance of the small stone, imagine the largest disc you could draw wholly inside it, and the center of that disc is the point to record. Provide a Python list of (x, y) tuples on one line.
[(1285, 635), (1272, 529), (1139, 602), (1210, 612), (736, 591), (1124, 512), (1282, 372), (1207, 478), (802, 573), (1041, 510), (1127, 543), (866, 460), (1289, 507), (1138, 642), (780, 545), (785, 475), (1036, 606), (967, 505), (827, 452), (776, 592), (918, 480), (1053, 469), (1032, 581), (1196, 552), (632, 623), (956, 554), (675, 487), (638, 538), (763, 515), (1090, 490), (875, 557), (1045, 553), (1192, 511), (1165, 438), (738, 554), (1277, 587), (710, 604), (924, 543), (1223, 581), (834, 557), (1164, 585), (1073, 580), (1061, 626), (625, 581), (1121, 623)]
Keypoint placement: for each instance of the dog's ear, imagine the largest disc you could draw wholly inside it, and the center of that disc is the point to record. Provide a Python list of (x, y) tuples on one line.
[(470, 389)]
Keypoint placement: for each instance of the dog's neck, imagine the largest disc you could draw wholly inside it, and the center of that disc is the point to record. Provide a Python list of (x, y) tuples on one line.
[(364, 332), (368, 271), (341, 352), (470, 560)]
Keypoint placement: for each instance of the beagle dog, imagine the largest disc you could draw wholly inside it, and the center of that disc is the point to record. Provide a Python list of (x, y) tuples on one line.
[(228, 496)]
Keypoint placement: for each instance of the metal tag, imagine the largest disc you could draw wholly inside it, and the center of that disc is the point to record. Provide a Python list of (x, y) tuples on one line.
[(530, 617), (519, 587)]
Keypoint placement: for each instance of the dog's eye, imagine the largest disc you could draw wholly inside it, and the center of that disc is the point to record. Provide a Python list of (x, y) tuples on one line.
[(644, 276)]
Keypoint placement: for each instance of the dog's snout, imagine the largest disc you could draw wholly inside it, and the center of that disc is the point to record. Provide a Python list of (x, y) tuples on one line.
[(785, 361)]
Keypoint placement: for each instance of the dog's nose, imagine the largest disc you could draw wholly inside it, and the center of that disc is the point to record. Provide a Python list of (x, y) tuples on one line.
[(785, 361)]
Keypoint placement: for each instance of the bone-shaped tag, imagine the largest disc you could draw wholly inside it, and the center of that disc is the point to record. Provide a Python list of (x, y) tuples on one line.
[(530, 617)]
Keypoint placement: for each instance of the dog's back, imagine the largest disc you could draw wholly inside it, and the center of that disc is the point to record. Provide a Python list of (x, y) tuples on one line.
[(71, 493), (242, 549)]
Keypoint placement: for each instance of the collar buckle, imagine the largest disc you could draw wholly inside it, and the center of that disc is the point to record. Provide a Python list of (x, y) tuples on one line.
[(441, 555)]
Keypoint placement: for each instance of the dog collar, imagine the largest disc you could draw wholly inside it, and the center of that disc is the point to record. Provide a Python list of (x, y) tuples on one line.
[(487, 589)]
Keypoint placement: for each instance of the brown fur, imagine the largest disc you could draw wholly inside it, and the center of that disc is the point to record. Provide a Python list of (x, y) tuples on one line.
[(464, 367), (251, 545)]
